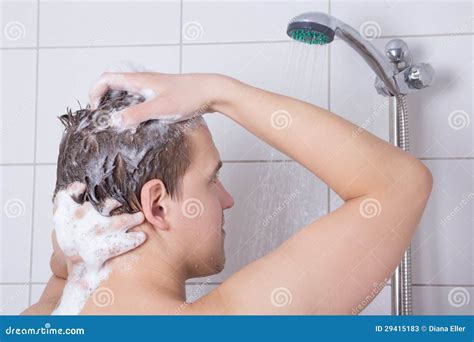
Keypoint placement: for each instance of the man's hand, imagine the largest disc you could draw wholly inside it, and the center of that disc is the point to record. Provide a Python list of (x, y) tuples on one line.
[(169, 97), (85, 235)]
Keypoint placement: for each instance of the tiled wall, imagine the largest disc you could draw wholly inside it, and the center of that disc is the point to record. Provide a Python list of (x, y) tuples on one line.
[(51, 51)]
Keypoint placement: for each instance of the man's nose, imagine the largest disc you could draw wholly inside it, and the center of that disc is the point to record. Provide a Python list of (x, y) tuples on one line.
[(226, 199)]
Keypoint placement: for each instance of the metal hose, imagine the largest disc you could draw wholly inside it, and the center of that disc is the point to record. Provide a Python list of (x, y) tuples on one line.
[(401, 279)]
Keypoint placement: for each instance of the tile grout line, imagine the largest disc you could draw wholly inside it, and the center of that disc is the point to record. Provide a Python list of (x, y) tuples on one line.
[(221, 282), (329, 103), (446, 158), (277, 41), (252, 160), (35, 150)]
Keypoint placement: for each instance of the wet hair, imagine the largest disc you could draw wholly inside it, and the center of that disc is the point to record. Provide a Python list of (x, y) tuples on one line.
[(117, 164)]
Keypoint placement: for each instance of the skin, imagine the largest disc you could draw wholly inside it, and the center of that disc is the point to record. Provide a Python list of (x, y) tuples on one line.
[(329, 266)]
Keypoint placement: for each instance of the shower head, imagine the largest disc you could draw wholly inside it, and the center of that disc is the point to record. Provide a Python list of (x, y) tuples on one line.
[(312, 28), (321, 28)]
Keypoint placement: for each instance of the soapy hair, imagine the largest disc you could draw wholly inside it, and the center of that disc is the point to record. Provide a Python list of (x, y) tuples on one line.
[(116, 164)]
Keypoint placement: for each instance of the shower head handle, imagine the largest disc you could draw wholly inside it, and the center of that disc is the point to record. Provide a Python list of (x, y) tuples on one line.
[(373, 57)]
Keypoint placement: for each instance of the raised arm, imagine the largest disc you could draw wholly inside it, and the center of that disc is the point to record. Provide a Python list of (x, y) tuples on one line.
[(333, 265)]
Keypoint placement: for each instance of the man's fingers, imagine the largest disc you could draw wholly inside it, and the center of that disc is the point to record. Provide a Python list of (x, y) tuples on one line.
[(131, 82), (133, 115), (105, 82), (124, 222), (162, 107), (121, 243), (64, 199), (76, 189), (109, 205)]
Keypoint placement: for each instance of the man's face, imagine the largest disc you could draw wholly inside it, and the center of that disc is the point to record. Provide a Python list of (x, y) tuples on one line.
[(200, 219)]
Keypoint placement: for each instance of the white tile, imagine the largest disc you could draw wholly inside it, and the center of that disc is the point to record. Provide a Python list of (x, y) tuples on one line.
[(381, 304), (18, 23), (443, 300), (269, 66), (353, 95), (395, 18), (441, 117), (16, 184), (272, 202), (13, 299), (43, 225), (437, 261), (66, 75), (17, 105), (240, 20), (109, 22), (36, 292), (443, 244), (196, 291)]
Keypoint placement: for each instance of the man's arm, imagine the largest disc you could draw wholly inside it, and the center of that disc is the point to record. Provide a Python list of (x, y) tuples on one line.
[(333, 264)]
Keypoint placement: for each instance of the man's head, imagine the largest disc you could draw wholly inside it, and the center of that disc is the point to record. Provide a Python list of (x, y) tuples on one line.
[(165, 170)]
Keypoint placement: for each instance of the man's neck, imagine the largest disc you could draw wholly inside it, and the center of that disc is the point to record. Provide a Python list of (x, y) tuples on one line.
[(149, 270)]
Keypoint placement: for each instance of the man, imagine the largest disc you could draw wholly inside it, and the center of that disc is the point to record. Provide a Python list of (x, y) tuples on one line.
[(328, 267)]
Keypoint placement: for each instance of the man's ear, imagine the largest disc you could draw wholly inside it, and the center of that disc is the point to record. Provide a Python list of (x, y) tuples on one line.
[(153, 199)]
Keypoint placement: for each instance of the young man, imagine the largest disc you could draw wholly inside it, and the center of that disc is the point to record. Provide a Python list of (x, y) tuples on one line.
[(328, 267)]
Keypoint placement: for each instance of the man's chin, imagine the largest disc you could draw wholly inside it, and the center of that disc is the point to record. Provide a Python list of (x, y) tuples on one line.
[(219, 266)]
